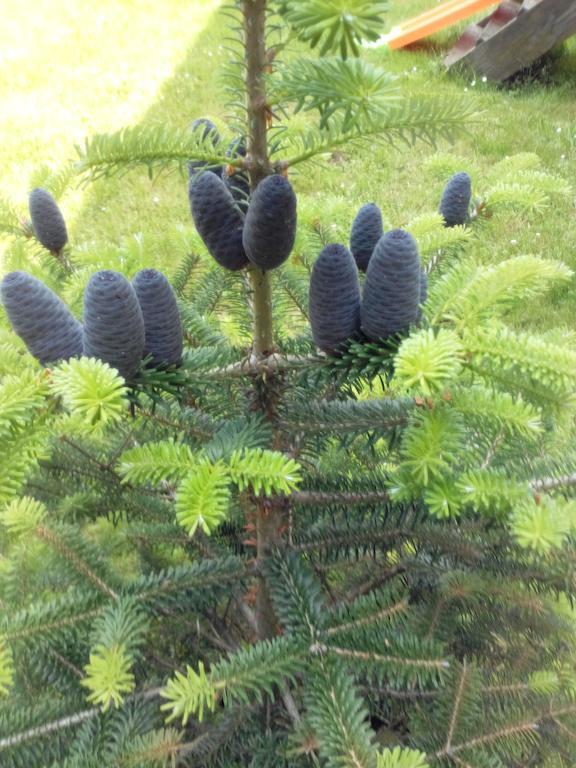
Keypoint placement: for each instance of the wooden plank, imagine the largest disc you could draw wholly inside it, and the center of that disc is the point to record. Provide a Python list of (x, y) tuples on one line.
[(431, 21), (476, 33), (537, 28)]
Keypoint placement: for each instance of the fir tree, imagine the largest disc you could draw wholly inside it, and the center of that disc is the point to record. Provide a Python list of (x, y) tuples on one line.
[(270, 556)]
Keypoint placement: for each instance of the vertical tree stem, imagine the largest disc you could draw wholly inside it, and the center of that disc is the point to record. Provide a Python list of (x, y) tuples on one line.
[(263, 342), (259, 164), (269, 513), (255, 47)]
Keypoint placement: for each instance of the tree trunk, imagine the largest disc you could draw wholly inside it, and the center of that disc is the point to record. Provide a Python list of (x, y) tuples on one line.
[(269, 512), (257, 157)]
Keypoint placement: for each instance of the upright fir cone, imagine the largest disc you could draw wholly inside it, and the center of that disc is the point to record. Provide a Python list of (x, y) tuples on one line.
[(47, 220), (113, 322), (40, 318), (236, 180), (218, 220), (270, 226), (207, 128), (455, 203), (162, 324), (366, 231), (392, 289), (334, 298)]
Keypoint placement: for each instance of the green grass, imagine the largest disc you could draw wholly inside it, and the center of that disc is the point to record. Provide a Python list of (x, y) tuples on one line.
[(73, 71), (70, 69)]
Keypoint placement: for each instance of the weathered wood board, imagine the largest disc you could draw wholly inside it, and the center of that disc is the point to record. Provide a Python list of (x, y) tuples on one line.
[(514, 36)]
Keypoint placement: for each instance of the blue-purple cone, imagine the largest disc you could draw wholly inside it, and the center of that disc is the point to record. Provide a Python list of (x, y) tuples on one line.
[(162, 324), (113, 322), (366, 231), (392, 289), (47, 220), (207, 128), (218, 220), (334, 298), (238, 182), (270, 226), (455, 203), (40, 318)]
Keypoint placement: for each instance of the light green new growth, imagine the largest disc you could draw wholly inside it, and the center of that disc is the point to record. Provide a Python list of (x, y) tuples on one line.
[(108, 676), (427, 363), (92, 391), (22, 515), (203, 497)]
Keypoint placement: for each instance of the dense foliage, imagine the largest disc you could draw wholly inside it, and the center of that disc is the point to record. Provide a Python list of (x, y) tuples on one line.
[(248, 552)]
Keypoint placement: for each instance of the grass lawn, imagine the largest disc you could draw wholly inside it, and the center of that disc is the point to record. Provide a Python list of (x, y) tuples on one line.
[(70, 69), (73, 69)]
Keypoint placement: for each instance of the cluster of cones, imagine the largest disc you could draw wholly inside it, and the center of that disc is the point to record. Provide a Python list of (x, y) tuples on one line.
[(395, 286), (124, 322), (239, 228)]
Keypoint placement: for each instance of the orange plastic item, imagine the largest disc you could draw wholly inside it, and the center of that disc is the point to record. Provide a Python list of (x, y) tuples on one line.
[(427, 23)]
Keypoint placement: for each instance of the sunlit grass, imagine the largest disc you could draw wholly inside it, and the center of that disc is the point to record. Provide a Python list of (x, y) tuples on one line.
[(72, 68)]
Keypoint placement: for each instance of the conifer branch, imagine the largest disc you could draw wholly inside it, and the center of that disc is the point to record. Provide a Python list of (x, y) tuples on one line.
[(327, 498), (55, 541), (555, 713), (384, 613), (382, 577), (412, 120), (353, 538), (347, 653), (493, 449), (165, 421), (208, 742), (460, 762), (152, 146), (338, 717), (68, 721), (66, 663), (568, 731), (102, 466), (290, 705), (443, 540), (148, 589), (411, 695), (10, 221), (440, 603), (553, 483), (350, 416), (456, 707), (273, 363), (45, 628), (526, 727), (503, 690)]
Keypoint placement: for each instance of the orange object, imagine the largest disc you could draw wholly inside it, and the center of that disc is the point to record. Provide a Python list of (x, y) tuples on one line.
[(427, 23)]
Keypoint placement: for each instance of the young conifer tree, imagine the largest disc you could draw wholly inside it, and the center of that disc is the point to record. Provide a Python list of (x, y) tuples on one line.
[(269, 555)]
